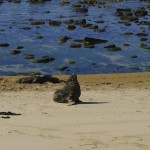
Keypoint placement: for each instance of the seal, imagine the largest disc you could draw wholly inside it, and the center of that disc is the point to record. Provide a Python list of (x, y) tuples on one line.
[(70, 93)]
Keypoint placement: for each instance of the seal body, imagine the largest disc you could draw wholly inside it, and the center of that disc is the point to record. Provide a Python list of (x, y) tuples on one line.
[(70, 93)]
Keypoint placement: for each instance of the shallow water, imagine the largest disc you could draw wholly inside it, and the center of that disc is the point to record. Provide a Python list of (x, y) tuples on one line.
[(15, 16)]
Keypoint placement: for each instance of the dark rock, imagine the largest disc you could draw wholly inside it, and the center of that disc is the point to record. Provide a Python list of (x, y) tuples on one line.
[(37, 22), (70, 21), (39, 37), (80, 22), (112, 48), (47, 12), (28, 56), (38, 1), (26, 28), (70, 61), (134, 56), (19, 47), (124, 12), (71, 27), (15, 52), (63, 2), (90, 2), (4, 44), (75, 45), (127, 33), (54, 23), (15, 1), (91, 26), (140, 12), (64, 39), (144, 46), (142, 34), (143, 39), (81, 9), (99, 21), (44, 59), (144, 23), (99, 30), (126, 44), (129, 18), (92, 41), (88, 46), (78, 40), (62, 68)]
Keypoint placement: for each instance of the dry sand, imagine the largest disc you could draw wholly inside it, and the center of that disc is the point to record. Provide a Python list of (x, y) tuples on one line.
[(115, 115)]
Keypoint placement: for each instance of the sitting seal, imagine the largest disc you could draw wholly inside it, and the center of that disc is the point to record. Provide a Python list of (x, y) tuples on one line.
[(70, 93)]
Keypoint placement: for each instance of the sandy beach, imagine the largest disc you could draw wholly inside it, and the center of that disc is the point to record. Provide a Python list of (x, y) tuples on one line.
[(114, 115)]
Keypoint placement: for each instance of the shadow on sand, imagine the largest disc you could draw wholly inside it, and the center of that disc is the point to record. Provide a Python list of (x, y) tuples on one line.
[(90, 103)]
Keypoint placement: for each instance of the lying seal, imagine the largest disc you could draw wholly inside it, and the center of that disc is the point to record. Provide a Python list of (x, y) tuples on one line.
[(39, 79), (70, 93)]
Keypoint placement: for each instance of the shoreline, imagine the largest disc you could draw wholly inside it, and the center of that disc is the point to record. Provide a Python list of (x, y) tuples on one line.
[(94, 81)]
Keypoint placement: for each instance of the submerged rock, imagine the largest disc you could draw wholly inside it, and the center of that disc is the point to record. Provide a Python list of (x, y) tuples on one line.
[(70, 61), (71, 27), (81, 9), (93, 41), (140, 12), (142, 34), (44, 59), (38, 1), (37, 22), (4, 44), (62, 68), (64, 39), (15, 52), (28, 56), (112, 48), (75, 45), (19, 47), (54, 23)]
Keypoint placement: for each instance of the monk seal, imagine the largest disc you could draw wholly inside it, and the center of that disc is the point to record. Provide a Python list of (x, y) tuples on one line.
[(70, 93)]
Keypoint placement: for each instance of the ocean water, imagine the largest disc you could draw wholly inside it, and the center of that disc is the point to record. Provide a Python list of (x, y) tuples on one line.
[(15, 16)]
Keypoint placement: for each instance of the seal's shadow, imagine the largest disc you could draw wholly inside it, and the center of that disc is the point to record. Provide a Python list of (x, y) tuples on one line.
[(90, 103)]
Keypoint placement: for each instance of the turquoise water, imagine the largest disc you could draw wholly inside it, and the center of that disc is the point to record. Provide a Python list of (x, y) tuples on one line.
[(15, 16)]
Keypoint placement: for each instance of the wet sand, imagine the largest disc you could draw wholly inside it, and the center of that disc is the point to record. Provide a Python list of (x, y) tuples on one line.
[(114, 114)]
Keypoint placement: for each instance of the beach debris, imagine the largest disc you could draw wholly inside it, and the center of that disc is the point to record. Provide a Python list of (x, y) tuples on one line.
[(70, 93), (6, 115), (9, 113), (39, 79)]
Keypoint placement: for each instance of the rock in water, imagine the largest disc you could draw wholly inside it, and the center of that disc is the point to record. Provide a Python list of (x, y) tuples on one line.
[(70, 93)]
